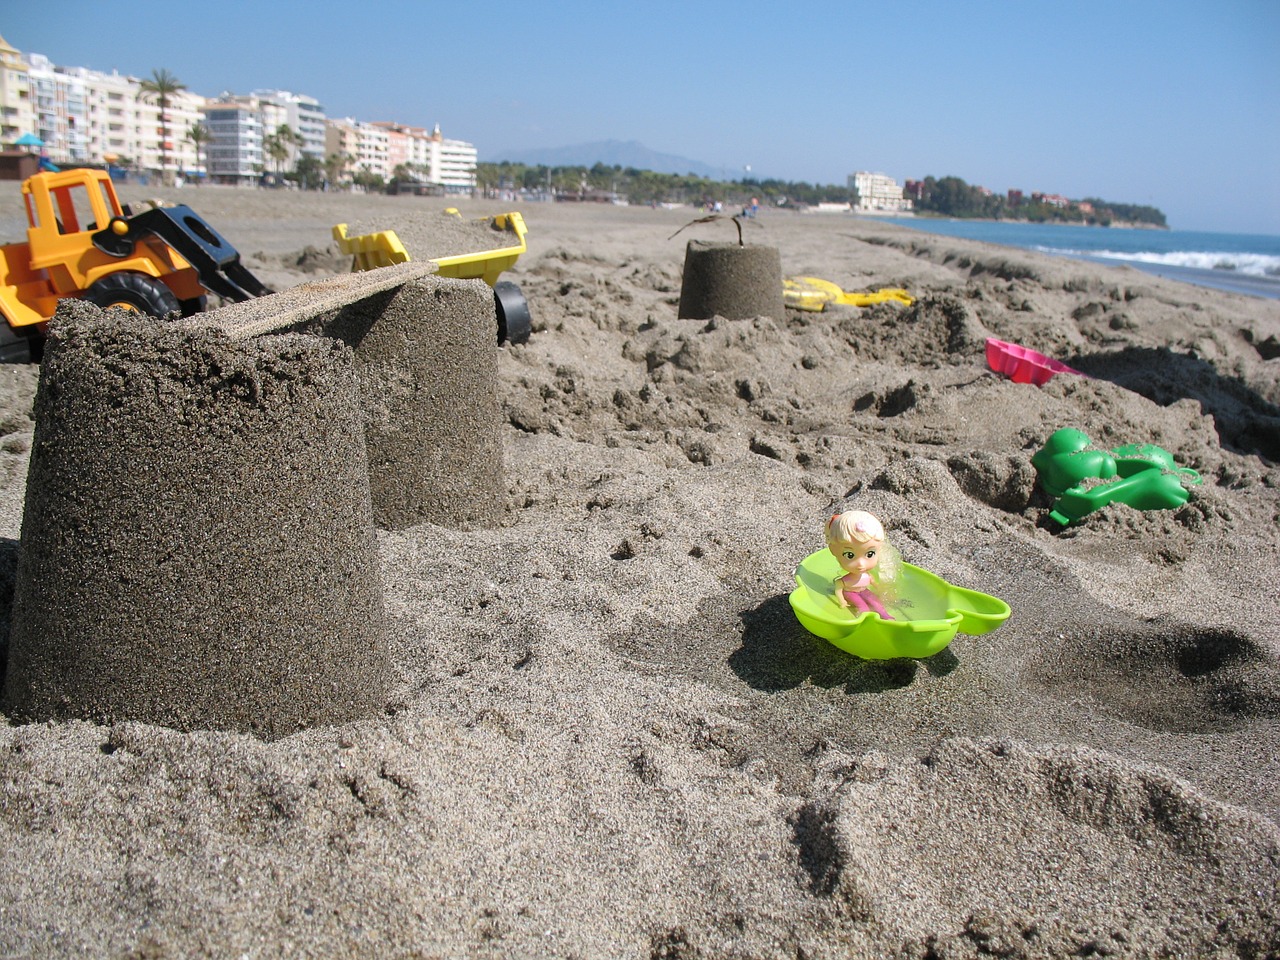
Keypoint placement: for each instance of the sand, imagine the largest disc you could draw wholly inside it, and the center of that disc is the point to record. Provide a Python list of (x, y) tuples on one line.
[(607, 734), (431, 234)]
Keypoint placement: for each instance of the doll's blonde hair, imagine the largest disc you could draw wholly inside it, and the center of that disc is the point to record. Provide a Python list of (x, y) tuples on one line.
[(854, 526), (858, 526)]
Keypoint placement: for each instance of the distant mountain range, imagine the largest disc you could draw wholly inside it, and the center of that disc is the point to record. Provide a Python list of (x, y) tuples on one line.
[(628, 153)]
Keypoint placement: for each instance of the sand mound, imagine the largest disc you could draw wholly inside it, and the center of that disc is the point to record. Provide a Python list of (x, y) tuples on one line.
[(1043, 834)]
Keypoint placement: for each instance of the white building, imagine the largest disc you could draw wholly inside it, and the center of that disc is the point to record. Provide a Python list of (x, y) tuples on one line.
[(85, 116), (876, 193), (303, 114), (453, 163), (366, 146), (239, 125), (17, 115), (447, 163), (234, 152), (61, 115)]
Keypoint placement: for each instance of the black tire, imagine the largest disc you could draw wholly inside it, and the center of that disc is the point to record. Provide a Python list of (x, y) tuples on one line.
[(514, 322), (20, 346), (194, 305), (134, 291)]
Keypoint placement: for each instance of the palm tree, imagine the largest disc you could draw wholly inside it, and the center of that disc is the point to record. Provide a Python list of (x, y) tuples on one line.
[(160, 86), (279, 145), (198, 135), (335, 166)]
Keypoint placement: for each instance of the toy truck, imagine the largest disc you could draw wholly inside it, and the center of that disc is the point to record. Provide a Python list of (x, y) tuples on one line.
[(82, 243), (383, 249)]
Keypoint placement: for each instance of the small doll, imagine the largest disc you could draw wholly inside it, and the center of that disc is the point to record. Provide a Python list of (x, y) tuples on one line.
[(856, 539)]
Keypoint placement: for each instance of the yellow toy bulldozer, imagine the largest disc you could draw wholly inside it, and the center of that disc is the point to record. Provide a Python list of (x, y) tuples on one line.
[(82, 243)]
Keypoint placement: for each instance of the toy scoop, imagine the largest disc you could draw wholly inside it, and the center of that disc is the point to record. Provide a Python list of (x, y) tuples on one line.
[(928, 612), (1022, 364)]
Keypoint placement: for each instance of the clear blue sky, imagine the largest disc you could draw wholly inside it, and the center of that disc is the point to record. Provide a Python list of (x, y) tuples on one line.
[(1175, 103)]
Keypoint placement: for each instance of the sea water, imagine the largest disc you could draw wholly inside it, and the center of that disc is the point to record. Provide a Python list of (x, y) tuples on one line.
[(1239, 262)]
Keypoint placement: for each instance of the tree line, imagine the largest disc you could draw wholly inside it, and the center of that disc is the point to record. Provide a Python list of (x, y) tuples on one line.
[(952, 197), (647, 186), (948, 196)]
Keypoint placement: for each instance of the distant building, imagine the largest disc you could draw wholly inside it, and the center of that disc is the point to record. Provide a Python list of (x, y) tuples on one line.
[(303, 114), (341, 140), (1052, 199), (87, 117), (876, 193), (1015, 198), (234, 153), (240, 123), (365, 146), (17, 115), (450, 164)]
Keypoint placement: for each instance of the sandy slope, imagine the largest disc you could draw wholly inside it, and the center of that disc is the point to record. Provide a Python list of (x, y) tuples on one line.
[(610, 737)]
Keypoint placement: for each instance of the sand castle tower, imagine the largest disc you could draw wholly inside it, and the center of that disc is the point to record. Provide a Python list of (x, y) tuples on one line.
[(732, 281), (198, 547), (426, 360)]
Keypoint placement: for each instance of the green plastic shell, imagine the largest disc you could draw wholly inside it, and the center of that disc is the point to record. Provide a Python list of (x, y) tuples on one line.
[(929, 612)]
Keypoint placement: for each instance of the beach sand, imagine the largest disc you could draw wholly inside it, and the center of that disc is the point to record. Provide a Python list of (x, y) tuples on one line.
[(608, 736)]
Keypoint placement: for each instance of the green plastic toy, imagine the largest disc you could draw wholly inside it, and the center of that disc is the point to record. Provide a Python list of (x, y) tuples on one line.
[(928, 612), (1143, 476)]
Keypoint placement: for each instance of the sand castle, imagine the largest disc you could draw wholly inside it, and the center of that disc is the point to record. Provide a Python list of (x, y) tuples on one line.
[(198, 544), (731, 280)]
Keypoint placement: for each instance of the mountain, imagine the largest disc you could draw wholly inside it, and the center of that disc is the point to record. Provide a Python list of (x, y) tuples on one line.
[(621, 153)]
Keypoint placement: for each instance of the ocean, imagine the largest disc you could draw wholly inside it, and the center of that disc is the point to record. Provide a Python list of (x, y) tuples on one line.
[(1239, 262)]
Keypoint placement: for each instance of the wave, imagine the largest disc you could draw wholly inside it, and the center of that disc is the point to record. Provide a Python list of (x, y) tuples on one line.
[(1246, 264)]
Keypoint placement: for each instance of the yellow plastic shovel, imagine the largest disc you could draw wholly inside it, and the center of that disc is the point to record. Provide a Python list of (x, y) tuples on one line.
[(814, 294)]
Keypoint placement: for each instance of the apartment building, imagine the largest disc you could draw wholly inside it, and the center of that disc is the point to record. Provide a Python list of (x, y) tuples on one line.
[(447, 163), (240, 123), (304, 115), (17, 115), (877, 193), (85, 116), (453, 163), (366, 147), (234, 153)]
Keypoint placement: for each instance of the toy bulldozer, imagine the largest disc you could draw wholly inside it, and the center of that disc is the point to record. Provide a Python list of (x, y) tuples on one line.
[(82, 243)]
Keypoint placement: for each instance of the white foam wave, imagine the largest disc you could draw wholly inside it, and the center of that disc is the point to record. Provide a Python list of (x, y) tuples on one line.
[(1247, 264)]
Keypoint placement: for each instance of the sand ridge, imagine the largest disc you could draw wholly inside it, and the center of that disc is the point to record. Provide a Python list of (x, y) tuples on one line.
[(607, 734)]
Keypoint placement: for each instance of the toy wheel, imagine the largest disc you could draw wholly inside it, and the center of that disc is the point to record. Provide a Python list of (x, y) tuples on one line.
[(514, 322), (134, 291), (20, 346), (194, 305)]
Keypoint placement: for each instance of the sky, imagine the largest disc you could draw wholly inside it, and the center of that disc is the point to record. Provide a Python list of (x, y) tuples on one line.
[(1171, 103)]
